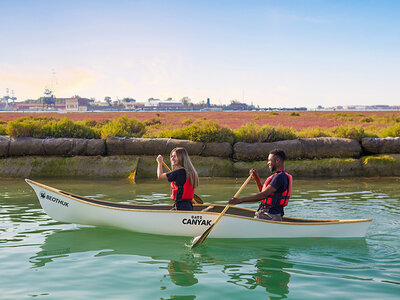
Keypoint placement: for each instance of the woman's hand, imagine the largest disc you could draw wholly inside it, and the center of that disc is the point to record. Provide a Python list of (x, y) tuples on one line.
[(160, 159)]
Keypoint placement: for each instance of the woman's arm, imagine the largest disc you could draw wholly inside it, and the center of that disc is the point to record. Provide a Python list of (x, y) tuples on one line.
[(160, 173)]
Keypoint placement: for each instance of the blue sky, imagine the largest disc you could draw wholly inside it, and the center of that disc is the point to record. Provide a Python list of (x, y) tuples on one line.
[(269, 53)]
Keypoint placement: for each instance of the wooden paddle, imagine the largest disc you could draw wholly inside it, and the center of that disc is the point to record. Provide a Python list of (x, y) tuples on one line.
[(132, 174), (196, 199), (200, 239)]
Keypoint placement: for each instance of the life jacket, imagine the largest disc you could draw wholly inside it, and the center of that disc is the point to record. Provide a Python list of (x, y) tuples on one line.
[(188, 190), (277, 199)]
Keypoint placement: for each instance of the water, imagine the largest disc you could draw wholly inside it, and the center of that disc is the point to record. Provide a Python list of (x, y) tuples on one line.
[(44, 259)]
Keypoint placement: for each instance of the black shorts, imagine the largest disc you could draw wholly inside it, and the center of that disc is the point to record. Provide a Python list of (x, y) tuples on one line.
[(183, 205)]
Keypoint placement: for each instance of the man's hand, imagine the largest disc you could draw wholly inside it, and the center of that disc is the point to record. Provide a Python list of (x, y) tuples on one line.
[(234, 201), (253, 172)]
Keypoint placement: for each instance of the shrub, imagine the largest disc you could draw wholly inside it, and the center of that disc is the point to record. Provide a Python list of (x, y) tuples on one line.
[(367, 120), (392, 131), (312, 132), (152, 121), (186, 121), (253, 133), (201, 131), (68, 128), (3, 130), (27, 127), (43, 127), (294, 114), (123, 127), (95, 123), (350, 132)]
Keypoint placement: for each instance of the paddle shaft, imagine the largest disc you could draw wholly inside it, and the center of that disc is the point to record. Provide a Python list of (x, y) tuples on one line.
[(200, 239), (196, 199), (229, 205), (165, 166)]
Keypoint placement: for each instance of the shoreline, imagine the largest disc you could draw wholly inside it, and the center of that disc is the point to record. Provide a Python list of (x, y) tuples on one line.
[(119, 157)]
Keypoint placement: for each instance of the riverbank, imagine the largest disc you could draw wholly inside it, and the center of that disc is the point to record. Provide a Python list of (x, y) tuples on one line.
[(119, 157)]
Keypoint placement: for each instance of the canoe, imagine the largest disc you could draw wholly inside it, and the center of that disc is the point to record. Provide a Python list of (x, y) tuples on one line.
[(238, 222)]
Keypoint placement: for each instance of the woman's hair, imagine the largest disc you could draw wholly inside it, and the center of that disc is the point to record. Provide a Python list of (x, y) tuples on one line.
[(184, 161)]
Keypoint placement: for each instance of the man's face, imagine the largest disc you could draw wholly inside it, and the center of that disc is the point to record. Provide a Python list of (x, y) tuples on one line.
[(272, 162)]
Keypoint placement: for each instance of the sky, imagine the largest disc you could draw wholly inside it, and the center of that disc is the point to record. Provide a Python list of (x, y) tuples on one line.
[(299, 53)]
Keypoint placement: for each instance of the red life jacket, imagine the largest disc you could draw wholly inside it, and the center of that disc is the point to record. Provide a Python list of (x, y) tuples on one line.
[(273, 199), (188, 190)]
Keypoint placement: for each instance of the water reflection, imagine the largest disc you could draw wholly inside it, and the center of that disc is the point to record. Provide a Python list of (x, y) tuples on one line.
[(268, 273), (246, 263)]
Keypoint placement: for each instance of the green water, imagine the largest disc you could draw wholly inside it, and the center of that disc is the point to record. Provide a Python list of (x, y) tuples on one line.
[(45, 259)]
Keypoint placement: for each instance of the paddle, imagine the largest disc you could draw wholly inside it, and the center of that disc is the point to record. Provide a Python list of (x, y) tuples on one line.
[(132, 174), (196, 199), (200, 239)]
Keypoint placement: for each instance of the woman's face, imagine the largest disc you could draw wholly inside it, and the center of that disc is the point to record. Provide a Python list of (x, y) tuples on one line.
[(174, 159)]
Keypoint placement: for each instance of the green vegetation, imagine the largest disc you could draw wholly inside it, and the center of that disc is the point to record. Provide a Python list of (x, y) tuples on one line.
[(393, 131), (201, 130), (253, 133), (384, 159), (3, 130), (48, 127), (350, 132), (367, 120), (123, 127), (313, 132)]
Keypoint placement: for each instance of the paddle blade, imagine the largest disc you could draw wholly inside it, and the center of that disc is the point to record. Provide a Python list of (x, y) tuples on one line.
[(200, 239), (132, 176)]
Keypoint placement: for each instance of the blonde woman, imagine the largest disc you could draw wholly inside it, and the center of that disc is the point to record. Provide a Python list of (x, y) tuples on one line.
[(183, 178)]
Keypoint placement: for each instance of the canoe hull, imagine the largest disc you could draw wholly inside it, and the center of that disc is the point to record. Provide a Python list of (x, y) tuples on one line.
[(70, 208)]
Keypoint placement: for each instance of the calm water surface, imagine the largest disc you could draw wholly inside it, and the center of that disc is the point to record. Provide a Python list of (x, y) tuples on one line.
[(45, 259)]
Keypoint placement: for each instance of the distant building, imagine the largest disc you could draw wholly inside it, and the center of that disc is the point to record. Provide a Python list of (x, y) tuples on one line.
[(170, 104), (238, 106), (35, 106), (133, 105), (77, 104)]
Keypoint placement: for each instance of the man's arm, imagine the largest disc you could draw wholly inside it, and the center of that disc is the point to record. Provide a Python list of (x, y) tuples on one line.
[(254, 198), (254, 174)]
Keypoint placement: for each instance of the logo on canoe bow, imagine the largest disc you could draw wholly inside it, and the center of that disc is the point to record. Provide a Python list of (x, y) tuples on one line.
[(196, 220), (53, 199)]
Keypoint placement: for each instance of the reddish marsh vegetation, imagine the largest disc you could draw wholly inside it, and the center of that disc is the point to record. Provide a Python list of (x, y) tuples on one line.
[(204, 126), (295, 120)]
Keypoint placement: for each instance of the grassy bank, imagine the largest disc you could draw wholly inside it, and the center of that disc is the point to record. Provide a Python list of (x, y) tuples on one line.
[(201, 130)]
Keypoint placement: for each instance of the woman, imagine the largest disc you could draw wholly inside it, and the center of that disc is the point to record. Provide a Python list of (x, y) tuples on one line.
[(183, 178)]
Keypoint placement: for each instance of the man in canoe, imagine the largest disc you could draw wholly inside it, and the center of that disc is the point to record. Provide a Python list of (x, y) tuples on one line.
[(183, 178), (274, 194)]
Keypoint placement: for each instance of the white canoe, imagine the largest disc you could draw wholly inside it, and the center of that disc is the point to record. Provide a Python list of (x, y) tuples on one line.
[(237, 222)]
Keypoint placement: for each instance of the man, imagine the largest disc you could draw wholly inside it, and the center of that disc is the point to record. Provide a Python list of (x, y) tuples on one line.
[(275, 193)]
